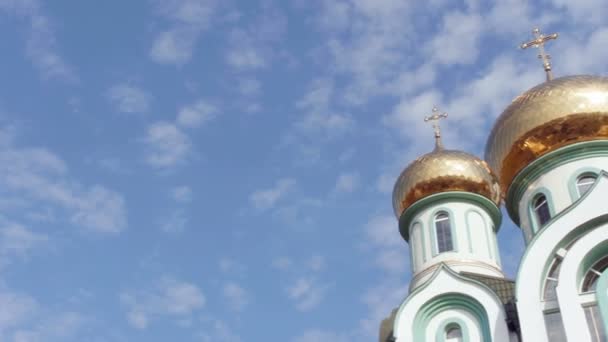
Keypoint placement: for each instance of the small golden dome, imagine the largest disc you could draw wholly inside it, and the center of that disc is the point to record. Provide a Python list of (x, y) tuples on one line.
[(551, 115), (442, 171)]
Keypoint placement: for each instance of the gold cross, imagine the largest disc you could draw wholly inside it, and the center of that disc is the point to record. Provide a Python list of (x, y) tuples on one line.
[(539, 42), (434, 118)]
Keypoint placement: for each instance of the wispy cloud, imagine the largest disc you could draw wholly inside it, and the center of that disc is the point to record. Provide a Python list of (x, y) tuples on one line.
[(251, 48), (236, 296), (38, 176), (175, 223), (187, 19), (307, 293), (196, 114), (181, 194), (267, 198), (41, 43), (170, 298), (129, 98), (167, 145), (316, 335), (347, 182)]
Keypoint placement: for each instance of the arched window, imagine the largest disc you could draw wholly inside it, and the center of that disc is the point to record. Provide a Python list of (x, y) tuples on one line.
[(443, 232), (453, 333), (551, 280), (584, 183), (593, 274), (541, 209)]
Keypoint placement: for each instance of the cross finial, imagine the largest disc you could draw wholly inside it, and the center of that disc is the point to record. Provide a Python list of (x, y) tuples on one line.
[(539, 42), (434, 118)]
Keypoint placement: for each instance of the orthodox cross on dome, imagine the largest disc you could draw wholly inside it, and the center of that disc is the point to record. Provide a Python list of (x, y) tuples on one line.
[(539, 42), (434, 118)]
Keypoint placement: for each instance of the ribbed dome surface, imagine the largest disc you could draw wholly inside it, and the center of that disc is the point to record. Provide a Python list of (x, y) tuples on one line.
[(441, 171), (549, 116)]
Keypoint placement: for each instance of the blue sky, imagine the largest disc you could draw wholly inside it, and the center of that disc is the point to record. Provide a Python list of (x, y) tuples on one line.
[(200, 170)]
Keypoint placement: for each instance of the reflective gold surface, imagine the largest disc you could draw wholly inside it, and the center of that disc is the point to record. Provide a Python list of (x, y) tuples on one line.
[(551, 115), (441, 171)]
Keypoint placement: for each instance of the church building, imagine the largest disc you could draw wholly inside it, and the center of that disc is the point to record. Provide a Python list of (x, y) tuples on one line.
[(546, 161)]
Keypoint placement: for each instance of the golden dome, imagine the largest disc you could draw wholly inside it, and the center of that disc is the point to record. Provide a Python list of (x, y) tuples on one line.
[(442, 171), (551, 115)]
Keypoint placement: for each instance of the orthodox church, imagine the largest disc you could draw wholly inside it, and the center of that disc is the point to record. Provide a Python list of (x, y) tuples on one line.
[(546, 160)]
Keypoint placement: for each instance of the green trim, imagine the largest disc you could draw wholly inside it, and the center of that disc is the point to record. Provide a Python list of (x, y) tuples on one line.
[(602, 297), (451, 301), (419, 289), (452, 221), (534, 224), (572, 187), (450, 196), (448, 323), (540, 166)]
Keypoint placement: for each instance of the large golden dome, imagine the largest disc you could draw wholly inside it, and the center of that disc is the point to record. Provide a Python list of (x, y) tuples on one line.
[(442, 171), (551, 115)]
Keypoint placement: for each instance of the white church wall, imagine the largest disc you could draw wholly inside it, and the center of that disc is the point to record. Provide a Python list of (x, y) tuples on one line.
[(541, 252), (568, 289), (474, 239), (443, 282), (558, 184)]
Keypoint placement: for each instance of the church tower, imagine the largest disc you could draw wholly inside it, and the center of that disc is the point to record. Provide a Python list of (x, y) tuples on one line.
[(549, 149), (447, 205)]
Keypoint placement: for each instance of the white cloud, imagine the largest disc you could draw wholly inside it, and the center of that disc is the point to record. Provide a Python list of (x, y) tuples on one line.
[(170, 298), (174, 223), (282, 263), (307, 293), (318, 114), (246, 56), (187, 19), (236, 296), (584, 11), (167, 145), (37, 176), (267, 198), (15, 309), (249, 86), (315, 335), (41, 43), (382, 230), (316, 263), (129, 99), (196, 114), (231, 266), (220, 332), (252, 48), (182, 194), (347, 182), (457, 42), (174, 46), (16, 240)]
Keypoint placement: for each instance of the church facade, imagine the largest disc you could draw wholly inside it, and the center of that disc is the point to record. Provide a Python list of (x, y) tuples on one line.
[(546, 161)]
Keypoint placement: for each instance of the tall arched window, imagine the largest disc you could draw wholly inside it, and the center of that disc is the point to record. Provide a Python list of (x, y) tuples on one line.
[(551, 280), (443, 232), (541, 210), (585, 182), (453, 333), (593, 274)]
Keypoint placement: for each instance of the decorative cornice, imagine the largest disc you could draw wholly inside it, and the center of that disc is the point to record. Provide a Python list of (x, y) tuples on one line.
[(539, 167), (449, 196)]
